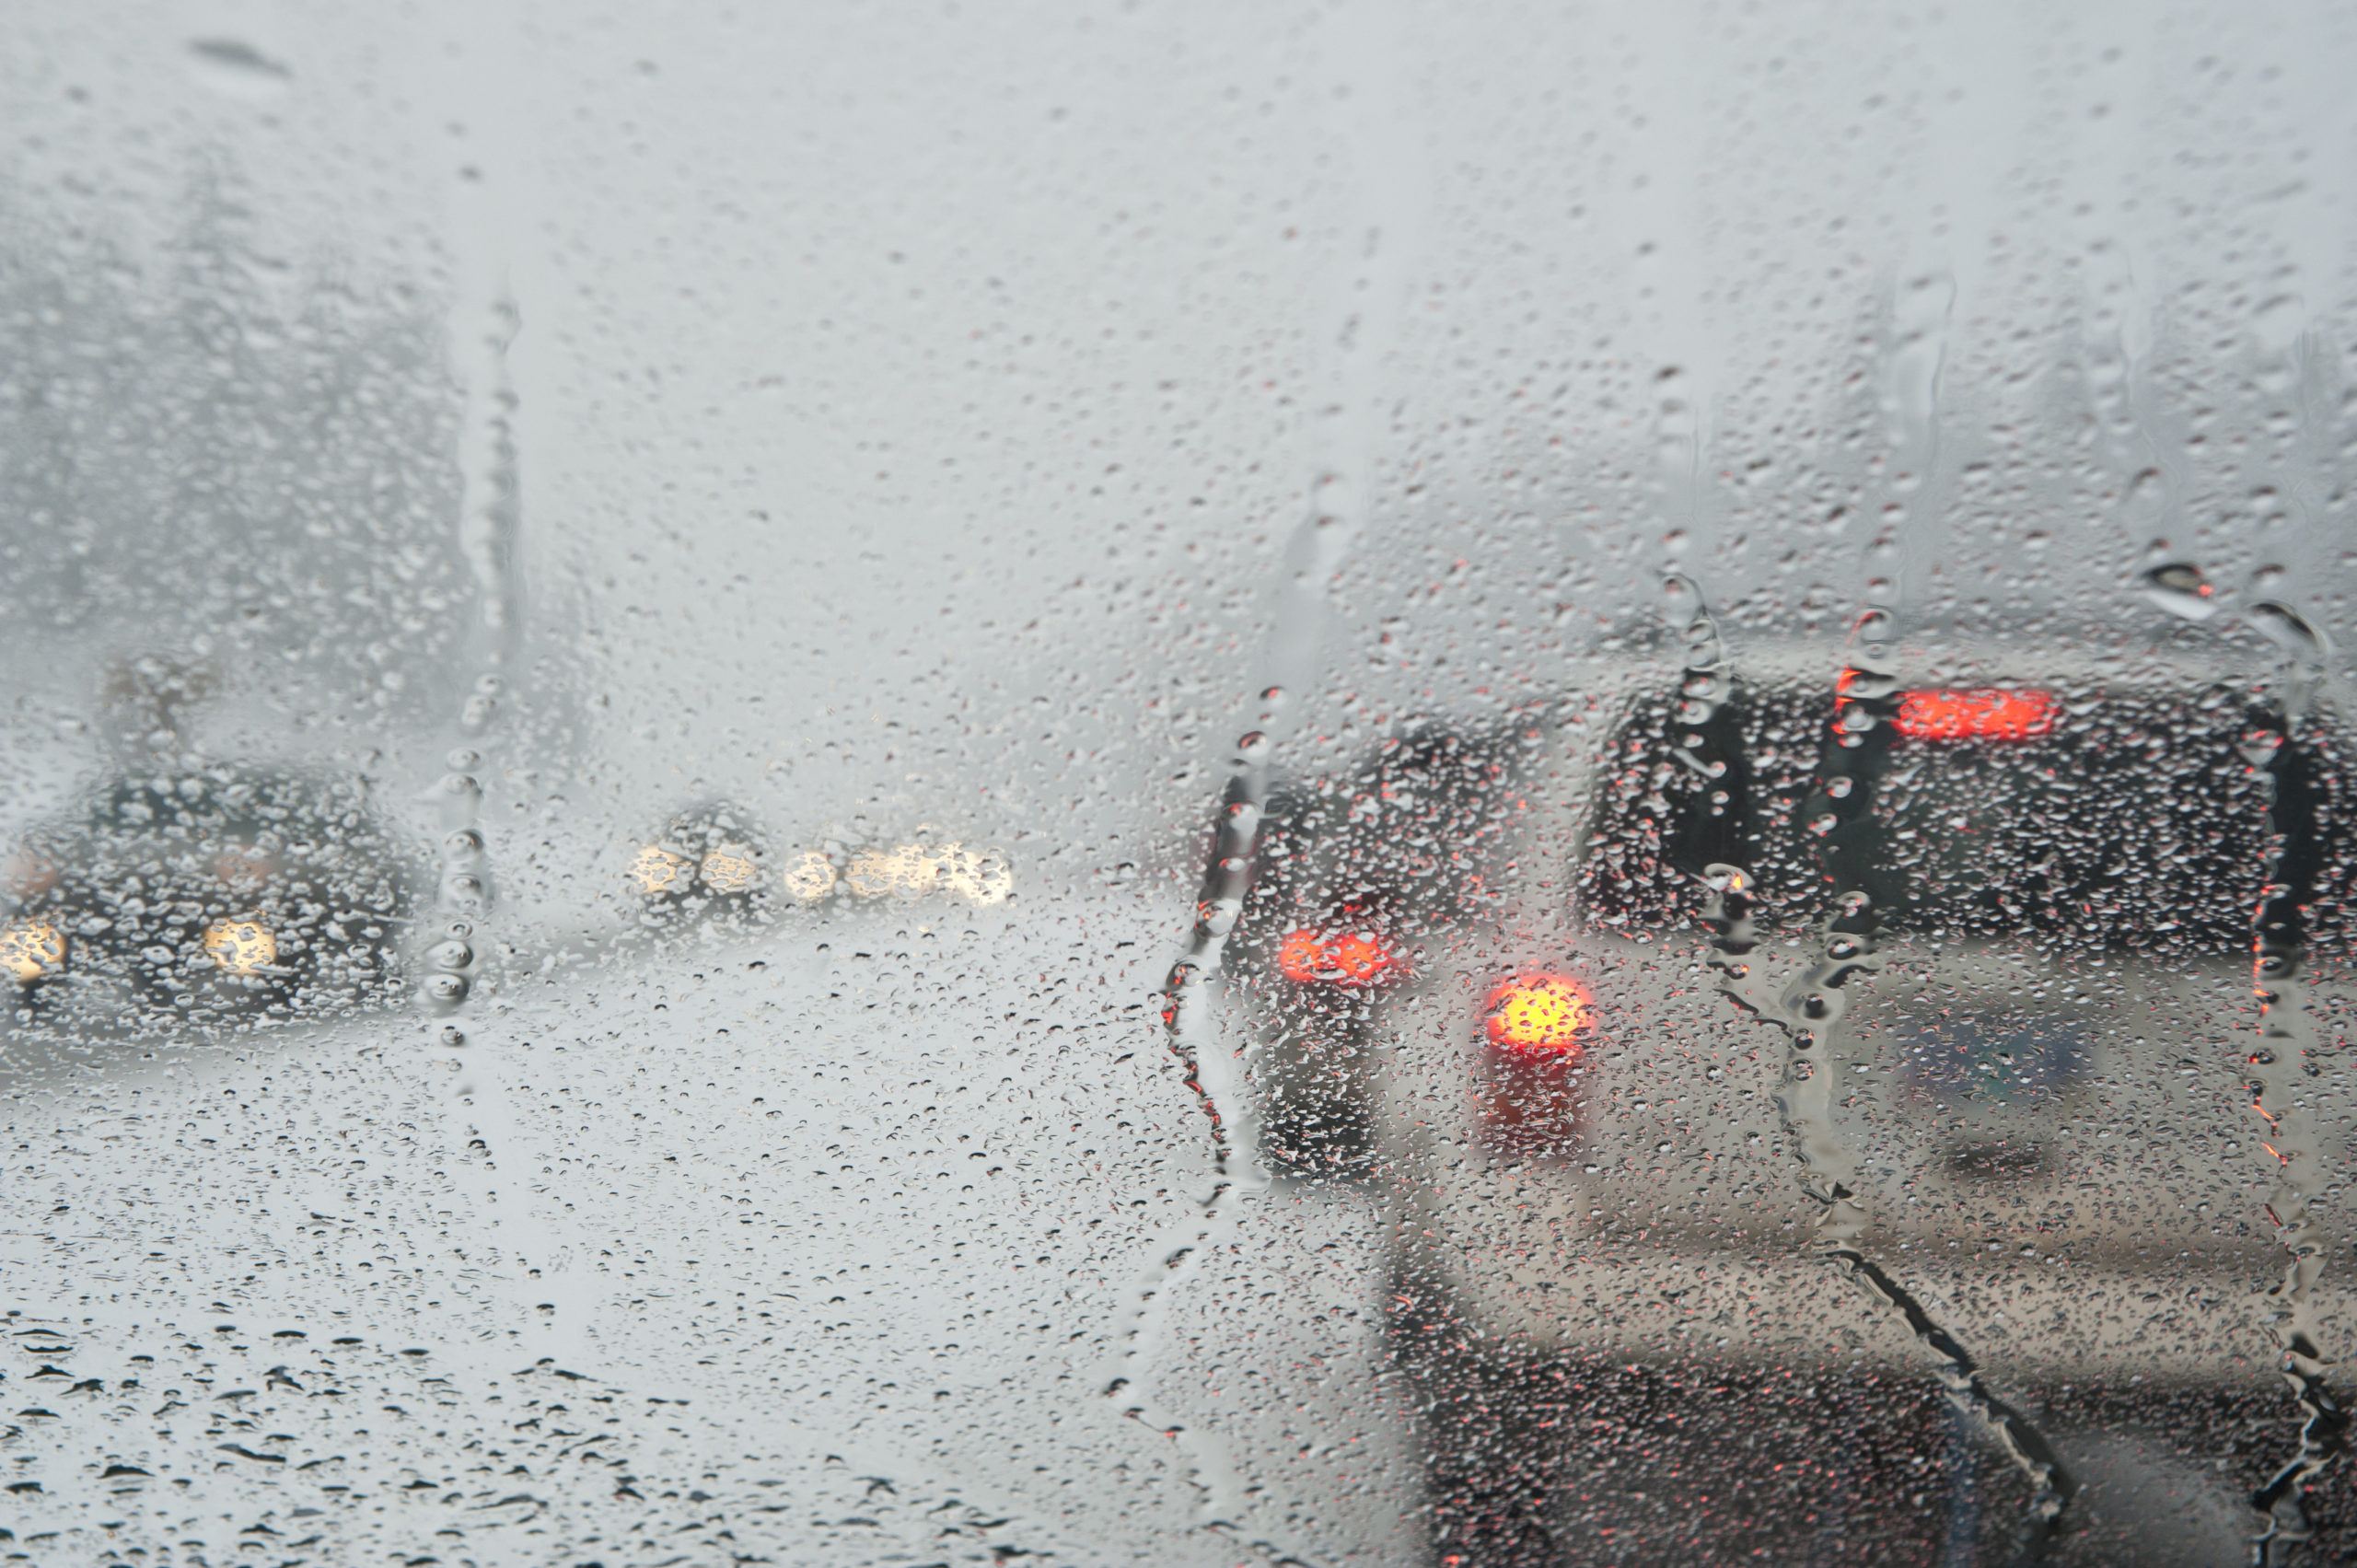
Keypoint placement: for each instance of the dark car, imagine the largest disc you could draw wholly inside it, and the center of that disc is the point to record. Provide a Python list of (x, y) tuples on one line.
[(1655, 1014), (182, 889)]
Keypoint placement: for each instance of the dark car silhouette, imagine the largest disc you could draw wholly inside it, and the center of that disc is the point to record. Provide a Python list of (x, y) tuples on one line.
[(1657, 1015), (184, 889)]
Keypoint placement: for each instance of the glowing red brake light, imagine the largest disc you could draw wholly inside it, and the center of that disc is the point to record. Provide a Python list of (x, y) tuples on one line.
[(1540, 1015), (1988, 714), (1337, 958)]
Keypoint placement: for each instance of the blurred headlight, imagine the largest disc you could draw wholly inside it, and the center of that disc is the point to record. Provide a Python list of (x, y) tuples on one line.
[(658, 870), (240, 946), (30, 949), (810, 878), (980, 877)]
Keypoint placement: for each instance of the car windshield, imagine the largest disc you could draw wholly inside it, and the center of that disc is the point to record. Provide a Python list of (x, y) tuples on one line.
[(1101, 783)]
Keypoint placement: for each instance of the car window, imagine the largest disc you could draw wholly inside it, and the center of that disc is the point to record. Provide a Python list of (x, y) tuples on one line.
[(1187, 785)]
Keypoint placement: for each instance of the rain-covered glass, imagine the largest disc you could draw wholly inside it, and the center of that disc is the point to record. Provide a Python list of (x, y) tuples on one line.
[(1383, 784)]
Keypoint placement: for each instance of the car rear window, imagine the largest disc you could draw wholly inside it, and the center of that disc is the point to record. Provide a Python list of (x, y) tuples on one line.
[(2124, 819)]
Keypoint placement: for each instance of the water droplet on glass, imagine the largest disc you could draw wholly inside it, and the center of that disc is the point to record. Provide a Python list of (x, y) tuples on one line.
[(2290, 631), (237, 69), (2179, 587), (1217, 918)]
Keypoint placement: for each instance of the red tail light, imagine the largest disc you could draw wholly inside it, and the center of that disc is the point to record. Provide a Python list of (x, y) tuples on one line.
[(1337, 958), (1537, 1026), (1540, 1015), (1988, 715)]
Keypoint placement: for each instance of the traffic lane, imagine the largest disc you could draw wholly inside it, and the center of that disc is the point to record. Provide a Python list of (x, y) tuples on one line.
[(860, 1189)]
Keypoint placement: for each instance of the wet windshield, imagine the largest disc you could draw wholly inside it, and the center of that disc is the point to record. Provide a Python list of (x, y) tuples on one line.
[(2110, 815), (1199, 786)]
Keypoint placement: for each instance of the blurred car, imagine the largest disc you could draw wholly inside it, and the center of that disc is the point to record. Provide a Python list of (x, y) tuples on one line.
[(1569, 990), (186, 888), (711, 862)]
